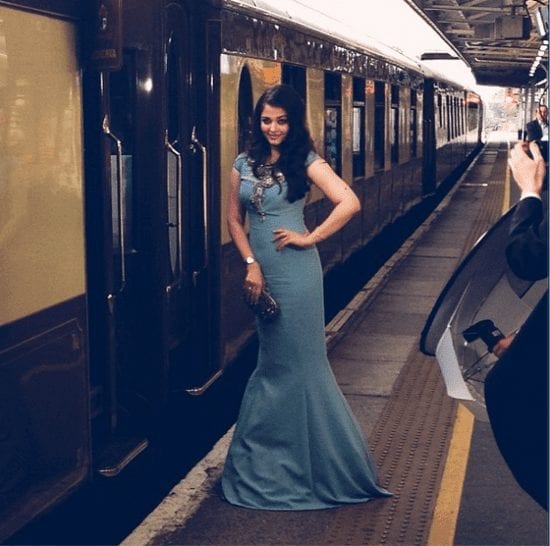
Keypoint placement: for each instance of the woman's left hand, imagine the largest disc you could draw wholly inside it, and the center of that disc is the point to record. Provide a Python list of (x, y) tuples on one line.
[(286, 237)]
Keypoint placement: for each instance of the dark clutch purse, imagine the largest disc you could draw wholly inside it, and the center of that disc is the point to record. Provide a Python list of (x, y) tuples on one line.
[(266, 308)]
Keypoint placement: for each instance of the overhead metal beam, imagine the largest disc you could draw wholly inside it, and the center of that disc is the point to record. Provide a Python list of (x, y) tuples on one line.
[(498, 47), (436, 29), (472, 8)]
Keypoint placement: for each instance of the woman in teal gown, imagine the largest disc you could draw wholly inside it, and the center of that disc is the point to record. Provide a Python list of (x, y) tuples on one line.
[(296, 444)]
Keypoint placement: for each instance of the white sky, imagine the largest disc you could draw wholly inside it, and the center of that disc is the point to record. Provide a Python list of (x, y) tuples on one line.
[(394, 23)]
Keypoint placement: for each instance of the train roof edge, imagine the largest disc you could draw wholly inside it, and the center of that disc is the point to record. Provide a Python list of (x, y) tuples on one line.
[(312, 19)]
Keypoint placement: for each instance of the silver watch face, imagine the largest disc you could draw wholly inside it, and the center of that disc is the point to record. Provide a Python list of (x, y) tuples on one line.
[(250, 260)]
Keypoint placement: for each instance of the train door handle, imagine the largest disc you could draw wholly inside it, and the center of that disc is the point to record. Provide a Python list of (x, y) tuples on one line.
[(195, 146), (121, 214), (171, 148)]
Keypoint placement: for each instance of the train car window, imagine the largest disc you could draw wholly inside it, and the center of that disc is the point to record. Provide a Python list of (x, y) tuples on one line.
[(296, 77), (440, 110), (379, 124), (122, 97), (456, 113), (473, 114), (457, 110), (358, 128), (453, 117), (462, 126), (174, 84), (448, 117), (333, 131), (394, 121), (449, 101), (457, 107), (246, 109), (413, 125)]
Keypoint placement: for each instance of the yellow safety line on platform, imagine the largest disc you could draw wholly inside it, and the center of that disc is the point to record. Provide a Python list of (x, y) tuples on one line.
[(447, 506), (443, 528)]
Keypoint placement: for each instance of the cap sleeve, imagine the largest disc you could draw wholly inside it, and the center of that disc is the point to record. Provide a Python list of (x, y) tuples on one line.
[(311, 157), (240, 160)]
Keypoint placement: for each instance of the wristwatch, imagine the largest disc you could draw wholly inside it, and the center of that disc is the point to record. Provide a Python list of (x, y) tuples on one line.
[(249, 260)]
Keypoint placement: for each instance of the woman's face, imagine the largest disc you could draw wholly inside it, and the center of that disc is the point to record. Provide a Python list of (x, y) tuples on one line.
[(274, 124)]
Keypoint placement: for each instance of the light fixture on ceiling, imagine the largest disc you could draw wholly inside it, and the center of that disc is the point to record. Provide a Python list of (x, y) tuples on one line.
[(541, 54), (541, 21), (438, 56)]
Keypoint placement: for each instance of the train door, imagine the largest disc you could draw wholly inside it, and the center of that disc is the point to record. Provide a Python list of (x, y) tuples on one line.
[(187, 205), (153, 238), (124, 344)]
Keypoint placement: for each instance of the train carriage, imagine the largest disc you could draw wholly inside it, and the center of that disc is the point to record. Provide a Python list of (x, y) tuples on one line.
[(120, 288)]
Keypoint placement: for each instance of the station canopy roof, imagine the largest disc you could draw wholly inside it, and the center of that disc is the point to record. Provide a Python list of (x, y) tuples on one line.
[(505, 42)]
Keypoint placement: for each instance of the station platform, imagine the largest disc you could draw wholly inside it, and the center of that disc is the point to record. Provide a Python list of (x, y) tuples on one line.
[(450, 483)]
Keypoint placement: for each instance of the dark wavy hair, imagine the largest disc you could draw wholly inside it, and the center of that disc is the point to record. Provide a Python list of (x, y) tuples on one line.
[(294, 148)]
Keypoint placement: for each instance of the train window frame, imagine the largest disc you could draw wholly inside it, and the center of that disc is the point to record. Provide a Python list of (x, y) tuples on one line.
[(358, 127), (462, 124), (457, 121), (473, 115), (379, 125), (453, 117), (245, 109), (295, 76), (394, 124), (413, 124), (122, 121), (448, 116), (333, 121), (455, 124)]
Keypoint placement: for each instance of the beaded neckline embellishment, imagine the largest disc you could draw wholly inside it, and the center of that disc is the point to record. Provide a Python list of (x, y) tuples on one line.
[(268, 176)]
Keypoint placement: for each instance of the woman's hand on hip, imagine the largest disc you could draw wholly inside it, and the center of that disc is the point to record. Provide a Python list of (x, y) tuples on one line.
[(286, 237)]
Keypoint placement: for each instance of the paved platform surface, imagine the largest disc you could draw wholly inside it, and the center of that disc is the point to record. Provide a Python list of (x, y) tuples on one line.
[(450, 483)]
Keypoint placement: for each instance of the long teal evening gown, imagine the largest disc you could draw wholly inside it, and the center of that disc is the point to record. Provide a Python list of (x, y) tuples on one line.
[(296, 444)]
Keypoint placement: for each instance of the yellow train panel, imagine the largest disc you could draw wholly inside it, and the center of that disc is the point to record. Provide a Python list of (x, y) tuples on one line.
[(41, 172), (263, 74), (369, 127), (315, 112), (347, 135)]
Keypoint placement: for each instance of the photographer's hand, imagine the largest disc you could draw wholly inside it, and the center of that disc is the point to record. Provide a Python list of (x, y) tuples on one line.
[(528, 173), (502, 344)]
